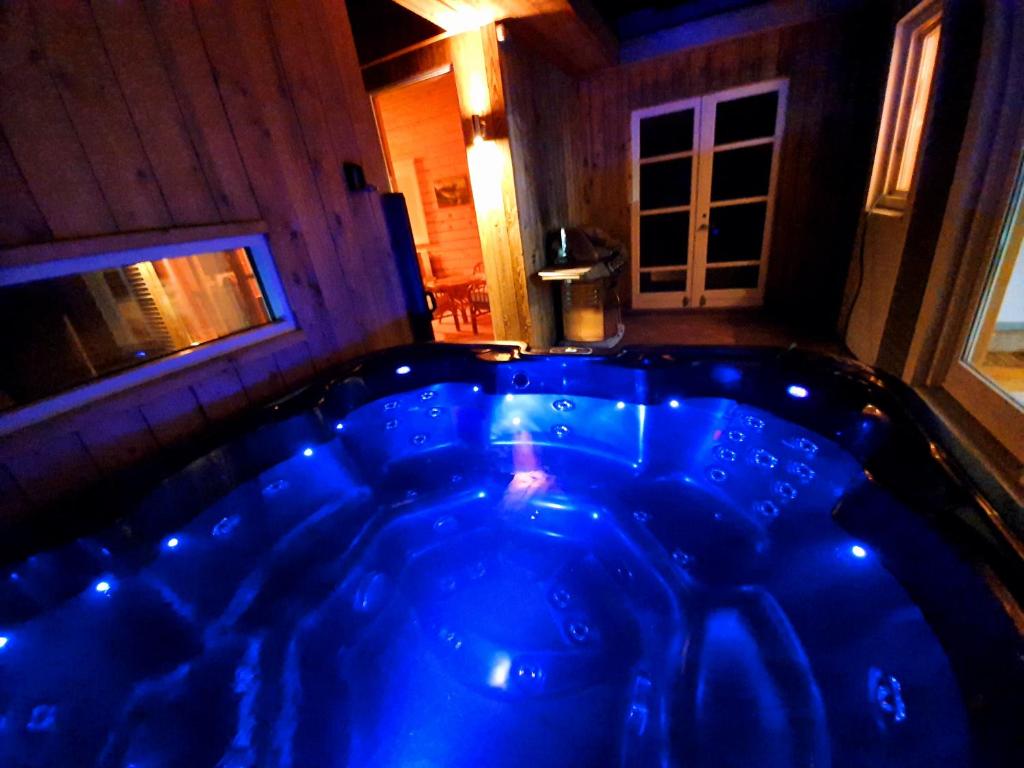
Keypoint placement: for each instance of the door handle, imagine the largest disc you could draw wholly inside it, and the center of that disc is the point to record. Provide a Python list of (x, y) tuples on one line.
[(702, 228)]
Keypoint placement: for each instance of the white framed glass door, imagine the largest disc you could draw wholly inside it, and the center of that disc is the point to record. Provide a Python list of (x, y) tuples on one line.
[(705, 245), (665, 141)]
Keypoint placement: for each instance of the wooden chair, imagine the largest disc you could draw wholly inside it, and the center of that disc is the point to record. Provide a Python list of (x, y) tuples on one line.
[(479, 302)]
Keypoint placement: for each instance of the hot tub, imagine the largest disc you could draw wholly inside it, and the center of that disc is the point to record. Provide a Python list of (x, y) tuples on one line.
[(475, 556)]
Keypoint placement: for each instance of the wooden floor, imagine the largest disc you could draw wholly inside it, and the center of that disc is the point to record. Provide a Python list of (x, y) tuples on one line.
[(444, 330), (722, 327)]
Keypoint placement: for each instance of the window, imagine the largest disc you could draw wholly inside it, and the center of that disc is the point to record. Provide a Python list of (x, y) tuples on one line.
[(704, 174), (83, 327), (983, 369), (995, 345), (907, 96)]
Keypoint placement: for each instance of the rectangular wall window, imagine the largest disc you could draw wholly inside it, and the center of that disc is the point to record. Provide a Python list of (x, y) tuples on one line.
[(83, 322), (907, 97)]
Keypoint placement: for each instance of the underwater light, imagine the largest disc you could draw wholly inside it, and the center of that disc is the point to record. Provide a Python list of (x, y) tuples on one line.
[(103, 587), (509, 397), (795, 390), (674, 403), (339, 426), (476, 388), (858, 551), (3, 641), (172, 543), (402, 370), (516, 421), (307, 452), (620, 405)]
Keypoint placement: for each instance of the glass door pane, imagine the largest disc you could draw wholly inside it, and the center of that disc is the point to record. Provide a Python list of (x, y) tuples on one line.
[(995, 348), (738, 147), (665, 177)]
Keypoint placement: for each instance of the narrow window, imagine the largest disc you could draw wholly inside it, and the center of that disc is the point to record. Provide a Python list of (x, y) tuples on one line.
[(907, 98), (78, 322)]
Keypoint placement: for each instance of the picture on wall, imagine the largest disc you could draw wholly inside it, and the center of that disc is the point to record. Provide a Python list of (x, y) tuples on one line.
[(452, 191)]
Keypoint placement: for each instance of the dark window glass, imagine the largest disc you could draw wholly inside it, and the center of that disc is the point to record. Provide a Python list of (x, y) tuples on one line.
[(663, 282), (735, 232), (738, 173), (74, 329), (667, 184), (752, 117), (665, 134), (664, 239), (731, 277)]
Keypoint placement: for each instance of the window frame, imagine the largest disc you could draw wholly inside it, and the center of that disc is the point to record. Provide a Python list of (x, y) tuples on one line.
[(988, 429), (31, 269), (901, 85), (983, 399)]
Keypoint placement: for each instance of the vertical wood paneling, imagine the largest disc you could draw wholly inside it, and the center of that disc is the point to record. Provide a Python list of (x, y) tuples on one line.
[(255, 98), (328, 200), (295, 364), (118, 439), (260, 378), (350, 131), (22, 221), (42, 137), (14, 504), (81, 69), (173, 416), (183, 55), (834, 80), (422, 125), (49, 468), (541, 103), (152, 104), (330, 33), (146, 114), (220, 393)]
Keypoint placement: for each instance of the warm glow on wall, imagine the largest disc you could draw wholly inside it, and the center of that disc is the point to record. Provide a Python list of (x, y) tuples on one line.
[(477, 97), (456, 16), (486, 166)]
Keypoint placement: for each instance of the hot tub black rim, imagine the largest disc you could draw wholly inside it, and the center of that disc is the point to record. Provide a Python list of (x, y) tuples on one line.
[(122, 493)]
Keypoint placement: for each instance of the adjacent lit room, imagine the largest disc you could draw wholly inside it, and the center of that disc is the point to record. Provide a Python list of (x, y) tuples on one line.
[(501, 382)]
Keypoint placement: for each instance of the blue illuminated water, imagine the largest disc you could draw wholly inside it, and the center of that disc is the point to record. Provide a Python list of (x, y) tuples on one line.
[(464, 579)]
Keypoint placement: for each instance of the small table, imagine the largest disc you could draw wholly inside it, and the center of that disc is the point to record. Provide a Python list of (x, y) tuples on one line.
[(457, 289)]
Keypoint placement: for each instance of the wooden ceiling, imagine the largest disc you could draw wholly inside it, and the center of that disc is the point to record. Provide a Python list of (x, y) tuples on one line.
[(572, 32)]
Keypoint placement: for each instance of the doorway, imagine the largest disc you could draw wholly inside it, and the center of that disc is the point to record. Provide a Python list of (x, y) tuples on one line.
[(704, 173), (420, 127)]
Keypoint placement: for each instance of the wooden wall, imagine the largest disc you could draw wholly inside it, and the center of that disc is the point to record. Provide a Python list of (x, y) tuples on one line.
[(886, 291), (836, 69), (519, 304), (542, 104), (134, 116), (421, 123)]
